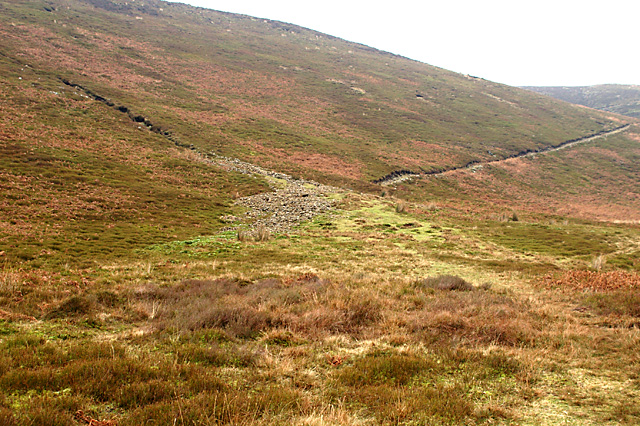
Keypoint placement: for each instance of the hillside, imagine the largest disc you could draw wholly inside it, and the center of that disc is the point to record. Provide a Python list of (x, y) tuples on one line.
[(208, 218), (270, 93), (277, 94), (618, 98)]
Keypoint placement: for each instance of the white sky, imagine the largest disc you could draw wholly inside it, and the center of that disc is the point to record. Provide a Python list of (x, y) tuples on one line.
[(516, 42)]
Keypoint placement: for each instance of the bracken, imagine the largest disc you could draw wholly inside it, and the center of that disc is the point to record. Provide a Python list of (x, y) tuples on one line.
[(592, 280)]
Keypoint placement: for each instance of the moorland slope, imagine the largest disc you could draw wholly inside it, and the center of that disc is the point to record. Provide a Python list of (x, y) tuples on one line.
[(274, 93), (191, 234)]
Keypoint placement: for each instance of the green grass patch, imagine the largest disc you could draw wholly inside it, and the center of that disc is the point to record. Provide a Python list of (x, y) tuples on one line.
[(560, 241)]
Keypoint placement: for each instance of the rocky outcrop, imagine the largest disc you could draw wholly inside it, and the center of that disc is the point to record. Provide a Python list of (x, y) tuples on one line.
[(285, 208), (396, 177)]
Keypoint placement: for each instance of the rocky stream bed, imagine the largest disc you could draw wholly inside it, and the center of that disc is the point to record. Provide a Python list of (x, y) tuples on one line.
[(292, 201)]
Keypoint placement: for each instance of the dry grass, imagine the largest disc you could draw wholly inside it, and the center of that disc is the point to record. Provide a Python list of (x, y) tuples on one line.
[(243, 235), (243, 351), (593, 280), (259, 234), (447, 282), (347, 333), (598, 262), (262, 234), (10, 283)]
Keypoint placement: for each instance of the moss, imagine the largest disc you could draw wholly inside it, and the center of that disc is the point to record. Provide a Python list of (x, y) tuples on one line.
[(547, 239)]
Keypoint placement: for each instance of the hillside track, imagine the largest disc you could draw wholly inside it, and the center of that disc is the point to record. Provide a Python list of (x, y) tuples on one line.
[(396, 177)]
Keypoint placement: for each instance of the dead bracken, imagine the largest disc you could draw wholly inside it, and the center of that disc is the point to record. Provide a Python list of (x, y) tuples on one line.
[(592, 280)]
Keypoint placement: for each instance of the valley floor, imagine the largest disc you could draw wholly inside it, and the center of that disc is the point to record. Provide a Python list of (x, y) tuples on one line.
[(376, 312)]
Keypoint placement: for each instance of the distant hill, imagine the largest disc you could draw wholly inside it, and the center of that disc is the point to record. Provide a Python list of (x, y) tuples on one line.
[(618, 98)]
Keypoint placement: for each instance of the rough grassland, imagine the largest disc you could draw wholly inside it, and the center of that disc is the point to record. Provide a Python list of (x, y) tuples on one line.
[(503, 294), (80, 182), (331, 324)]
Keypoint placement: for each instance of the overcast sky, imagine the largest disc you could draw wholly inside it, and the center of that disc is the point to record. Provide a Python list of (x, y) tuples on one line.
[(516, 42)]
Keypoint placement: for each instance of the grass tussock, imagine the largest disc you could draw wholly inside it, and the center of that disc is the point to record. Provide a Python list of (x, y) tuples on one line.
[(307, 305), (237, 351), (74, 306), (243, 235), (598, 262), (380, 368), (447, 282), (474, 316), (621, 303), (262, 234), (259, 234), (402, 387)]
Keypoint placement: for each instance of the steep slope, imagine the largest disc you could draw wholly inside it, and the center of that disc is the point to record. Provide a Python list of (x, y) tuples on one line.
[(106, 105), (618, 98), (276, 94)]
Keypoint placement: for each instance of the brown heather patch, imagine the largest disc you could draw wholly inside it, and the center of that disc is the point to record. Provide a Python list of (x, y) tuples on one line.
[(25, 294), (548, 182), (592, 207), (206, 117), (311, 120), (592, 280), (10, 316), (613, 118), (225, 81), (327, 164), (607, 153), (427, 152), (517, 166), (55, 51), (48, 201), (362, 76), (36, 131), (110, 41), (416, 158)]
